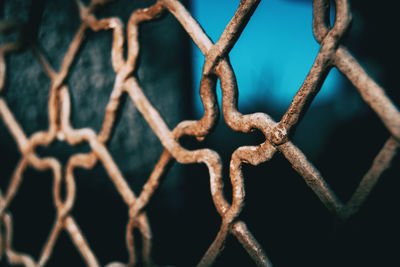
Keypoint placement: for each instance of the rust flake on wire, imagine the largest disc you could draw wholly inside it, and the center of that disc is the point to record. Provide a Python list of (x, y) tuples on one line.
[(217, 66)]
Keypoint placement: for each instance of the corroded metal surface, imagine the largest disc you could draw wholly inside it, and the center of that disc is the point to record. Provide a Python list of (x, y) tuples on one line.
[(217, 66)]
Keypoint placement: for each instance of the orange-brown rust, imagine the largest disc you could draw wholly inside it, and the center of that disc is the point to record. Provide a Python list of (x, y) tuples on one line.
[(217, 66)]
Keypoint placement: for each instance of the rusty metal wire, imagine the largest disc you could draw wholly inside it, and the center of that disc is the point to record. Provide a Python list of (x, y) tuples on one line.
[(217, 66)]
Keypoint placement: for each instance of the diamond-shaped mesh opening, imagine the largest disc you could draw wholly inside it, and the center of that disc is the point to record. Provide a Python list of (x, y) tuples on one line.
[(198, 212), (345, 170), (233, 255), (9, 157), (136, 166), (345, 125), (26, 77), (294, 221), (168, 215), (52, 23), (303, 231), (33, 212), (101, 214), (325, 116), (160, 52), (91, 81), (65, 253)]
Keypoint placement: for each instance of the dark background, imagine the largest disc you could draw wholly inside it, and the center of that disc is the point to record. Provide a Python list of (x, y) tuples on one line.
[(285, 216)]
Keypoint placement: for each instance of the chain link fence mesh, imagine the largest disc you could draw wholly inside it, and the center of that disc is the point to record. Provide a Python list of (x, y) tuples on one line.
[(277, 135)]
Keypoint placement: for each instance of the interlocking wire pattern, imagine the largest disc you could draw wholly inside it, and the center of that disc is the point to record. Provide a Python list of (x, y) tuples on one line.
[(332, 53)]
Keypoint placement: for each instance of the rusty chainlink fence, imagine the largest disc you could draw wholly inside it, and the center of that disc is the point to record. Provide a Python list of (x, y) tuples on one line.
[(332, 53)]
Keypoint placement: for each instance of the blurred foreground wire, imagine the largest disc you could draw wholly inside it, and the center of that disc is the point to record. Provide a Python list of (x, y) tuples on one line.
[(216, 67)]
